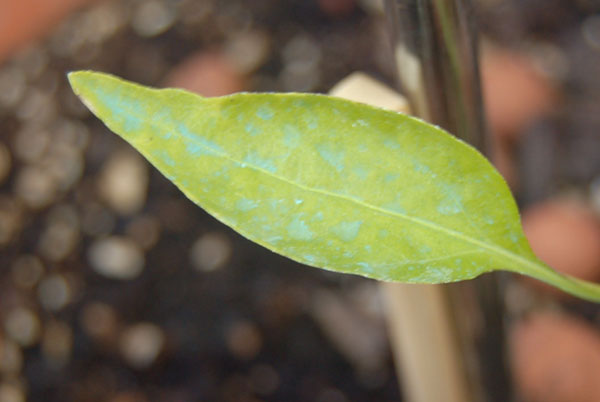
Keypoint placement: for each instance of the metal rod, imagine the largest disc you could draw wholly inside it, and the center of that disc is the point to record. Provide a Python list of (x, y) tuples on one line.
[(437, 64), (436, 56)]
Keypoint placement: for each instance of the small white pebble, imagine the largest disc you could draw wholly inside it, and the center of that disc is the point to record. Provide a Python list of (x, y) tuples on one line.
[(35, 186), (123, 182), (152, 18), (248, 50), (61, 233), (140, 344), (116, 257), (210, 252), (23, 326), (54, 292)]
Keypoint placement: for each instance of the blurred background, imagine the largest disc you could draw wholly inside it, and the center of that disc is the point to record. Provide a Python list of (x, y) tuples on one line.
[(114, 287)]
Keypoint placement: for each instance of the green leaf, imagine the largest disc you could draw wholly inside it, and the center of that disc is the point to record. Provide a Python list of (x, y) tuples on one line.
[(328, 182)]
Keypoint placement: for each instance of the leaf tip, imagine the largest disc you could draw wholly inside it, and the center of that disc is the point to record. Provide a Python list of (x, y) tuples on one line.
[(81, 79), (82, 83), (76, 79)]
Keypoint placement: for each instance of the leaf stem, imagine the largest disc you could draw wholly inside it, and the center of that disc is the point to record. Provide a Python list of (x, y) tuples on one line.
[(574, 286)]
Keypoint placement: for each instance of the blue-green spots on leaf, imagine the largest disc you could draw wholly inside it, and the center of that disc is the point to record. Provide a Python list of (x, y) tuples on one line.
[(164, 156), (334, 157), (299, 230), (197, 144), (360, 123), (360, 171), (245, 204), (425, 249), (249, 158), (311, 121), (347, 231), (421, 168), (252, 129), (448, 208), (253, 158), (390, 177), (390, 143), (291, 136), (365, 266), (395, 206), (264, 112), (309, 258), (119, 110)]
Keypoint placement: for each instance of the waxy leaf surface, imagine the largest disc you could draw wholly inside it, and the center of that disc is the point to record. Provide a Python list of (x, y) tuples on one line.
[(328, 182)]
